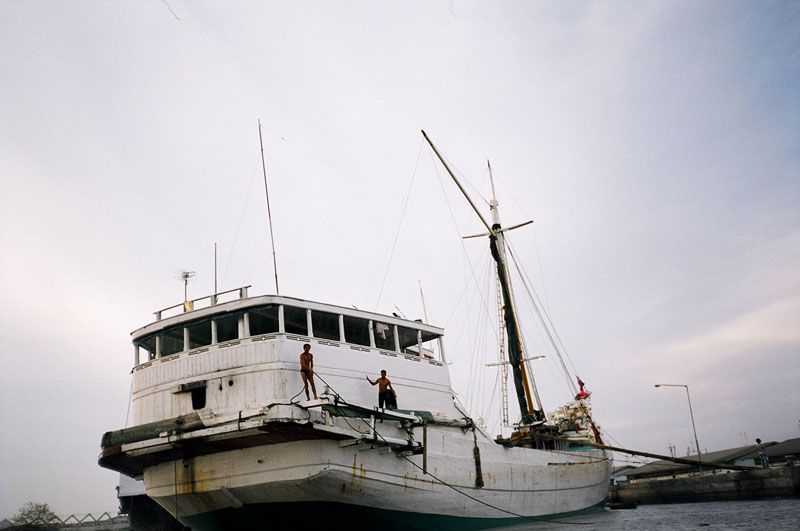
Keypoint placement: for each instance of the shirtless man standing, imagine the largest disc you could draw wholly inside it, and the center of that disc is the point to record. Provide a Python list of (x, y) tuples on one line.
[(307, 370), (762, 454), (386, 395)]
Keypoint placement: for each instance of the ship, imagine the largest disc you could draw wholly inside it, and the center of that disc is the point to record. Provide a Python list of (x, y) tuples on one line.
[(222, 439)]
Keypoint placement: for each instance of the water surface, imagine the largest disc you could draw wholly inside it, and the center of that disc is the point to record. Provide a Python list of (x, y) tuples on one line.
[(766, 515)]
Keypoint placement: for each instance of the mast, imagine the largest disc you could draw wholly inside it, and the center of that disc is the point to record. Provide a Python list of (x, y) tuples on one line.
[(500, 313), (269, 211), (216, 289), (515, 356), (422, 297), (497, 246)]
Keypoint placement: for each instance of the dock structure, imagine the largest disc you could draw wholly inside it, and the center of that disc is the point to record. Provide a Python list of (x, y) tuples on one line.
[(732, 474), (758, 483)]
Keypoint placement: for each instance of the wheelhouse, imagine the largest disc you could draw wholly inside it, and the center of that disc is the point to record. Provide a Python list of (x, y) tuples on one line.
[(196, 328)]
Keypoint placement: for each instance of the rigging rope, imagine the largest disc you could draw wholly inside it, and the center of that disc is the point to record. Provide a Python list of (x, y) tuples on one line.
[(513, 197), (484, 304), (540, 311), (130, 396), (552, 325), (399, 226), (549, 330), (357, 260), (458, 233), (444, 483), (239, 225)]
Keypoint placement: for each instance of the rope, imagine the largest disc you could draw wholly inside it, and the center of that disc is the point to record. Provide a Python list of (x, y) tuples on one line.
[(399, 226), (552, 335), (239, 225), (444, 483), (130, 396), (175, 468), (550, 331), (291, 400)]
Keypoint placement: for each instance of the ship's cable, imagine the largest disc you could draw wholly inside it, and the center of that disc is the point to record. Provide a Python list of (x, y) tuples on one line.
[(399, 226), (239, 225), (473, 498), (456, 489), (544, 319), (175, 468), (130, 396), (484, 303), (291, 400)]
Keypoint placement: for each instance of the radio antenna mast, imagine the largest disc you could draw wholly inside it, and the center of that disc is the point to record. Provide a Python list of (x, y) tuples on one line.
[(185, 276), (269, 211)]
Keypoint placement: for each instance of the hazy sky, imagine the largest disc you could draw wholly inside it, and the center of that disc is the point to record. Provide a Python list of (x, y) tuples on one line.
[(655, 144)]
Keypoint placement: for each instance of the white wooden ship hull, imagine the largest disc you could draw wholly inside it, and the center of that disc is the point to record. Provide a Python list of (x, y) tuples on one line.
[(222, 440), (320, 473)]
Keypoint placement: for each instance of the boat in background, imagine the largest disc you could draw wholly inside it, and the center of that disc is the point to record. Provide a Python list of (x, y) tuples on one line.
[(222, 440)]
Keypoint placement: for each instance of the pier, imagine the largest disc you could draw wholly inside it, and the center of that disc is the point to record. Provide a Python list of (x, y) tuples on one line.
[(758, 483)]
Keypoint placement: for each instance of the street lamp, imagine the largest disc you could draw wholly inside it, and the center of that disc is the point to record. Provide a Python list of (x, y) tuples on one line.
[(699, 462)]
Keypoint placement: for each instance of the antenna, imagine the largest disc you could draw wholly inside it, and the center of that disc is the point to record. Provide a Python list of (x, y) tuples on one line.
[(269, 211), (422, 296), (185, 276)]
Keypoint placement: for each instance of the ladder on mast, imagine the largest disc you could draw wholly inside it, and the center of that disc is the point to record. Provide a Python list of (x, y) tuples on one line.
[(502, 351)]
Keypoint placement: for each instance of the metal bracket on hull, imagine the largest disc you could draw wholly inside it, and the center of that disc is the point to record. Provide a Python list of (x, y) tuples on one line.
[(353, 411), (407, 421), (132, 450)]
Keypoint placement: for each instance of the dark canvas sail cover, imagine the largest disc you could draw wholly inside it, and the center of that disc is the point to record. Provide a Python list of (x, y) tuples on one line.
[(514, 346)]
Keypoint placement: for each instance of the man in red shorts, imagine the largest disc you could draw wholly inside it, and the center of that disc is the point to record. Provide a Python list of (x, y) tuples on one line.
[(307, 370)]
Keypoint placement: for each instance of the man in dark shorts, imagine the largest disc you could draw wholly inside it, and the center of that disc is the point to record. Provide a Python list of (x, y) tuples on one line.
[(386, 394), (307, 370)]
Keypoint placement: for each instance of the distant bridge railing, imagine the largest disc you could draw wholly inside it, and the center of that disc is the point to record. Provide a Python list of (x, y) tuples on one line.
[(89, 522)]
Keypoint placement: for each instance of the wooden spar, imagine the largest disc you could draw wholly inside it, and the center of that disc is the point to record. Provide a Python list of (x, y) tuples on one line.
[(269, 211), (680, 460), (528, 412), (446, 167)]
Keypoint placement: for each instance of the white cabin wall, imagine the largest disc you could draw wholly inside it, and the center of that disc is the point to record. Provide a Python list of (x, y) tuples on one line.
[(268, 371)]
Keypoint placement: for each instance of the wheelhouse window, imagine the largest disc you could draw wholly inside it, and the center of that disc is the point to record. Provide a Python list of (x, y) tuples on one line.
[(325, 325), (408, 338), (356, 331), (263, 320), (147, 344), (429, 343), (384, 335), (227, 328), (295, 320), (172, 341), (199, 334)]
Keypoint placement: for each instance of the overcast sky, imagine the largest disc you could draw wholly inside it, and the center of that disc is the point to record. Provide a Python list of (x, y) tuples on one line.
[(656, 145)]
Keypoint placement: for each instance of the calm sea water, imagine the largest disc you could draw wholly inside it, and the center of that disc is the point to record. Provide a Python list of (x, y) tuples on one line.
[(766, 515)]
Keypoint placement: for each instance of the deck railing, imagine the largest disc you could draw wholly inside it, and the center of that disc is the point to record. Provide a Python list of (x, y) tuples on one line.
[(212, 299)]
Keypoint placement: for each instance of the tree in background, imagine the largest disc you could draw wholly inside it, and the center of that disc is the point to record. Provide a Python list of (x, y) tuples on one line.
[(34, 515)]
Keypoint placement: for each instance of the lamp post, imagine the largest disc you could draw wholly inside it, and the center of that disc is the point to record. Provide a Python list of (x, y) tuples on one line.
[(699, 461)]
